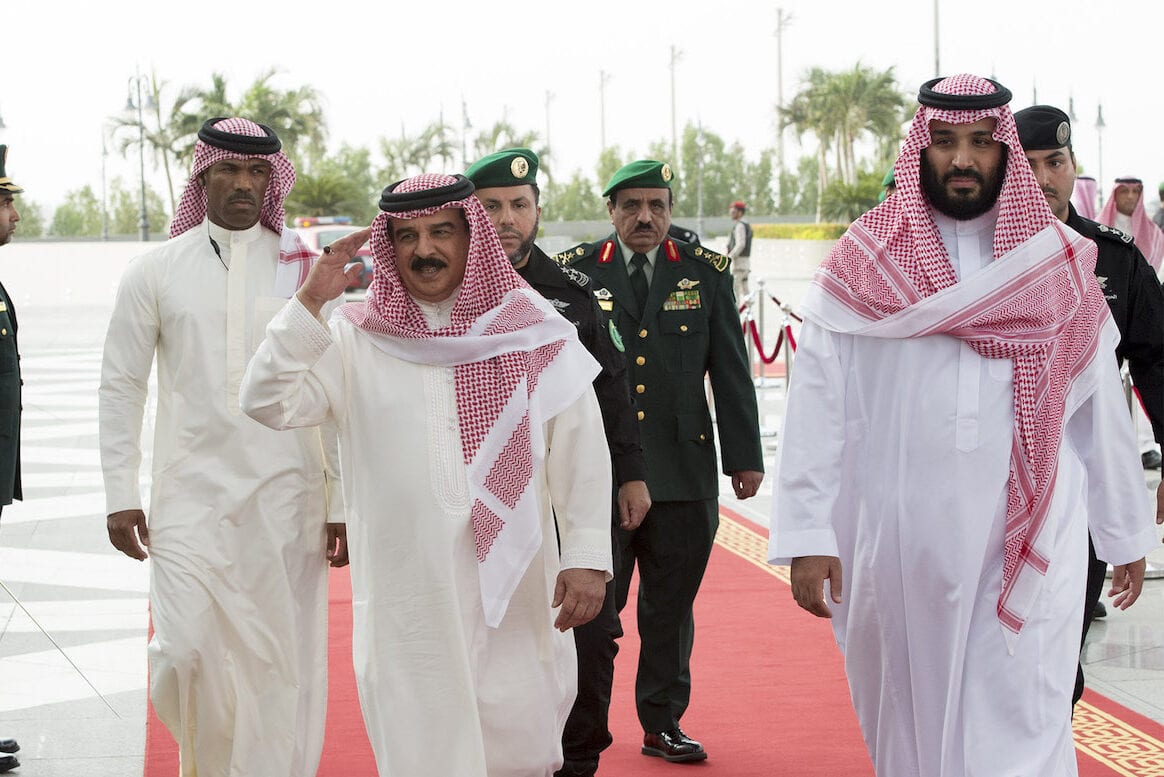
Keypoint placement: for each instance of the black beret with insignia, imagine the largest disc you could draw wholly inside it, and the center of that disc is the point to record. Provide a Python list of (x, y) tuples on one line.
[(1043, 127)]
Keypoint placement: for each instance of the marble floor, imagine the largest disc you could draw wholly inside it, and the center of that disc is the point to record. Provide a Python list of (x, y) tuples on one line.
[(72, 652)]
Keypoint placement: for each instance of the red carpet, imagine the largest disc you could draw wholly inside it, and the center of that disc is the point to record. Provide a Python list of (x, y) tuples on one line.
[(769, 694)]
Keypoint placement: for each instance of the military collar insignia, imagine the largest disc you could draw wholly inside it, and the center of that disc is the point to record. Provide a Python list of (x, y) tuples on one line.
[(687, 283), (607, 253), (603, 294), (671, 249), (1102, 281)]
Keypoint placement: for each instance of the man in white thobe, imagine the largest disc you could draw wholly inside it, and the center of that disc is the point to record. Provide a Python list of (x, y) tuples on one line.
[(954, 425), (467, 424), (237, 527)]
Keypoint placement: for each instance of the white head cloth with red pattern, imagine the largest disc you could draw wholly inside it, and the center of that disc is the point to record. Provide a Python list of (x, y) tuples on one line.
[(1037, 304), (1149, 238), (295, 258), (518, 363)]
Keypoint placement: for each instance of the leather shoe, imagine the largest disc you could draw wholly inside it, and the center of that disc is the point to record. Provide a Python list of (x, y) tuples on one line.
[(8, 746), (1100, 611), (1150, 459), (8, 763), (673, 745)]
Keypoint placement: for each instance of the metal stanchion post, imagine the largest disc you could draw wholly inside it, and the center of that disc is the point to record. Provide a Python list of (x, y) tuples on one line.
[(759, 296), (784, 328), (748, 344)]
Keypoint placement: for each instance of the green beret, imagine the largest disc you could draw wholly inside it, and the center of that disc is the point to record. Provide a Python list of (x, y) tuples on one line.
[(1043, 127), (643, 174), (888, 179), (508, 167), (6, 183)]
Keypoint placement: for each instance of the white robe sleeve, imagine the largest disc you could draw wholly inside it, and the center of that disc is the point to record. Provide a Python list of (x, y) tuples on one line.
[(578, 471), (126, 361), (1119, 506), (808, 477), (295, 378)]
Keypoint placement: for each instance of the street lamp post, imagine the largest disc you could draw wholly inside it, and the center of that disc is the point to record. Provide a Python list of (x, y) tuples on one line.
[(1099, 125), (132, 105), (104, 189)]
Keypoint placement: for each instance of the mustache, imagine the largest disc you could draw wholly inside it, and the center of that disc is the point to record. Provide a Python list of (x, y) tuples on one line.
[(425, 262), (648, 227), (958, 173), (511, 232), (242, 198)]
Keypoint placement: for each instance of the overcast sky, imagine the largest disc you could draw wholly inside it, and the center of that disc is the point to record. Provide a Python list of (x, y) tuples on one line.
[(384, 66)]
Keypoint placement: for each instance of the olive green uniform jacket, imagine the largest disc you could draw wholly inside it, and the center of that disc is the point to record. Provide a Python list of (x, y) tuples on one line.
[(690, 328)]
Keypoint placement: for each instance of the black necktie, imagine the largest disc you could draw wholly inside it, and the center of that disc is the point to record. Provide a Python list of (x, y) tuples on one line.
[(638, 281)]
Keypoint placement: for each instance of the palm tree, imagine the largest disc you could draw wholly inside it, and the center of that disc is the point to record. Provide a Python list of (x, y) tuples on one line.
[(840, 108), (406, 155), (811, 110)]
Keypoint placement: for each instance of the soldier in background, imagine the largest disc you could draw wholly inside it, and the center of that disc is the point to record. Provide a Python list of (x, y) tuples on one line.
[(507, 186), (673, 306)]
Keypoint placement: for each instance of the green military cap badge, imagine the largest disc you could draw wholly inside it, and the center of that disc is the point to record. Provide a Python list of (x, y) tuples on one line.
[(6, 183), (508, 167), (643, 174)]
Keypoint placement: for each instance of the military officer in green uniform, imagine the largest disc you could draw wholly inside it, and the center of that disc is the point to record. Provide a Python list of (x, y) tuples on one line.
[(9, 392), (506, 184), (673, 305)]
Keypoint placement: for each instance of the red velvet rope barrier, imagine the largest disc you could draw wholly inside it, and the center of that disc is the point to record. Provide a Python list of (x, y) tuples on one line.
[(760, 347), (749, 324)]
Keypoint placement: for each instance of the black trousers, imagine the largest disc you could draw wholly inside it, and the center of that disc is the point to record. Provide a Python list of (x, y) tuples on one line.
[(670, 549), (587, 731), (1096, 573)]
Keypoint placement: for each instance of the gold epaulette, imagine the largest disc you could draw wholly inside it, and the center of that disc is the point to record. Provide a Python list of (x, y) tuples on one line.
[(718, 261), (565, 257)]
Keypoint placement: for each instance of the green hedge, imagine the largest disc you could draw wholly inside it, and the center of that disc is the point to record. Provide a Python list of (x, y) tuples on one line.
[(799, 231)]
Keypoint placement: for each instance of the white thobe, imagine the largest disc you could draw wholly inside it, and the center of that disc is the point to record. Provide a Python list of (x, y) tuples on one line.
[(916, 509), (441, 693), (238, 585)]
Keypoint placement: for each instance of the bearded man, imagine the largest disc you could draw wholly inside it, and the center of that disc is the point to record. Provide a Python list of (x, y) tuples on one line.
[(237, 529), (1125, 211), (472, 448), (954, 424)]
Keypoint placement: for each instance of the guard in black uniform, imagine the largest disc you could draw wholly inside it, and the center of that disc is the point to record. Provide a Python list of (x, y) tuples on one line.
[(10, 383), (1130, 286), (506, 184), (674, 308)]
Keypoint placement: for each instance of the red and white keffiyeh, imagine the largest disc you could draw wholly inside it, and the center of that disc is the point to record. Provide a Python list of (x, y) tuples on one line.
[(1084, 195), (1149, 238), (518, 363), (295, 258), (890, 276)]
